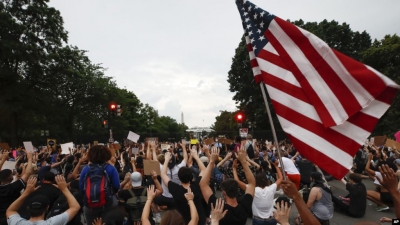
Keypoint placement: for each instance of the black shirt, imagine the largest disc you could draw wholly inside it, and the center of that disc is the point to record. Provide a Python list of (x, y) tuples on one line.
[(236, 215), (8, 194), (358, 198), (182, 205)]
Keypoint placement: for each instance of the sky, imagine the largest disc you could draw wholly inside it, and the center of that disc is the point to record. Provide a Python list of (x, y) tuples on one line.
[(175, 55)]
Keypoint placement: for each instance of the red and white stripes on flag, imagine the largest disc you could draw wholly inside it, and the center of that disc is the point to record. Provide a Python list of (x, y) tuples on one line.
[(327, 103)]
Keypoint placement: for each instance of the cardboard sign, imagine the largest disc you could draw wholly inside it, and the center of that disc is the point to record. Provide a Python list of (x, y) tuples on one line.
[(66, 147), (155, 139), (149, 165), (9, 165), (5, 146), (194, 141), (379, 140), (209, 141), (115, 146), (165, 146), (28, 146), (133, 137), (135, 150), (393, 144), (225, 141)]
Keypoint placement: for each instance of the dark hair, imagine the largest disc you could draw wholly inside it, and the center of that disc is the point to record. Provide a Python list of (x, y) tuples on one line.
[(261, 180), (6, 176), (373, 152), (185, 175), (355, 177), (114, 217), (127, 160), (172, 162), (99, 154), (265, 166), (139, 162), (230, 186), (78, 155), (70, 159), (172, 217), (238, 139)]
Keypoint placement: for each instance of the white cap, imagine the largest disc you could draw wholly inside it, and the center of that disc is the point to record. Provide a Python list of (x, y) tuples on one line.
[(136, 179)]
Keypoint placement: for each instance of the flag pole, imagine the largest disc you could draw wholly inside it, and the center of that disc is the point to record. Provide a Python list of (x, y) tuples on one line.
[(272, 128)]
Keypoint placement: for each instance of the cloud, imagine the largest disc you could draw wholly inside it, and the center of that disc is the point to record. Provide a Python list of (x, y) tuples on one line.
[(171, 89), (200, 83), (177, 60)]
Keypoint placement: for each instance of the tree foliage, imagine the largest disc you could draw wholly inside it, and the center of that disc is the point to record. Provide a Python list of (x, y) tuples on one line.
[(384, 56)]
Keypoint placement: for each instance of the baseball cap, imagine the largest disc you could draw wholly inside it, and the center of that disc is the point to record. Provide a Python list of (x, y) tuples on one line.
[(317, 176), (39, 202), (136, 179), (204, 159), (49, 176)]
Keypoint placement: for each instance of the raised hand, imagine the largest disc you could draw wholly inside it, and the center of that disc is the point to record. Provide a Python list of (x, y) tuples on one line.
[(218, 212), (189, 195), (151, 193)]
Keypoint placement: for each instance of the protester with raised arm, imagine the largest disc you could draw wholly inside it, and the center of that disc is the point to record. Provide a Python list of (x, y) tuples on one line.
[(9, 192), (38, 206), (238, 212)]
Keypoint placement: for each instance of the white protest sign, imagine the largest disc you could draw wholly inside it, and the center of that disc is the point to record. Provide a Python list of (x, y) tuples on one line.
[(133, 137), (28, 146), (165, 146), (9, 165), (243, 132), (135, 150), (65, 148)]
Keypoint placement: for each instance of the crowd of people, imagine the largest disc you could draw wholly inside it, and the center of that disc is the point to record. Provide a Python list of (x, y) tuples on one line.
[(194, 184)]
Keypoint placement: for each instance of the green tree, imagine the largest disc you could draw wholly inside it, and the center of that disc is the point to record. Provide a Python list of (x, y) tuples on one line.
[(224, 122), (29, 31), (384, 56)]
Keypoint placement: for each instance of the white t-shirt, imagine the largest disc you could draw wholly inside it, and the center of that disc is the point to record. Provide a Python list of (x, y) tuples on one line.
[(174, 178), (263, 201), (376, 181), (290, 168)]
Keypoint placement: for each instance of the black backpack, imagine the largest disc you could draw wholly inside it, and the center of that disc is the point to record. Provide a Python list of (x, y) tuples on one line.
[(134, 206), (250, 151), (364, 157), (60, 205)]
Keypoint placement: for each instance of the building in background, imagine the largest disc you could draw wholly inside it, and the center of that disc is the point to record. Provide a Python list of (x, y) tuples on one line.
[(199, 132)]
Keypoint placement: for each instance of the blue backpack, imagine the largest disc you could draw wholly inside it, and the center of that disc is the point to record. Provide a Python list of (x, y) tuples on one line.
[(97, 187)]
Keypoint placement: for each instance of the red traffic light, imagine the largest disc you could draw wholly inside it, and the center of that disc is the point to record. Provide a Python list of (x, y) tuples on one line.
[(113, 106), (104, 122), (239, 116)]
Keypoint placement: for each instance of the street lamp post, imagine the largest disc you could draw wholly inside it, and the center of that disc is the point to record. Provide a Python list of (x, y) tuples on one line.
[(252, 125), (150, 122)]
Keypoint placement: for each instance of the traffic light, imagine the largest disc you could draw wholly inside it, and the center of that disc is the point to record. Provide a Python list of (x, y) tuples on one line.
[(113, 109), (119, 110), (104, 123), (239, 118)]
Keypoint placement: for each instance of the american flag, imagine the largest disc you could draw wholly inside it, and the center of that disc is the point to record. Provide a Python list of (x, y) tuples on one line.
[(327, 103)]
